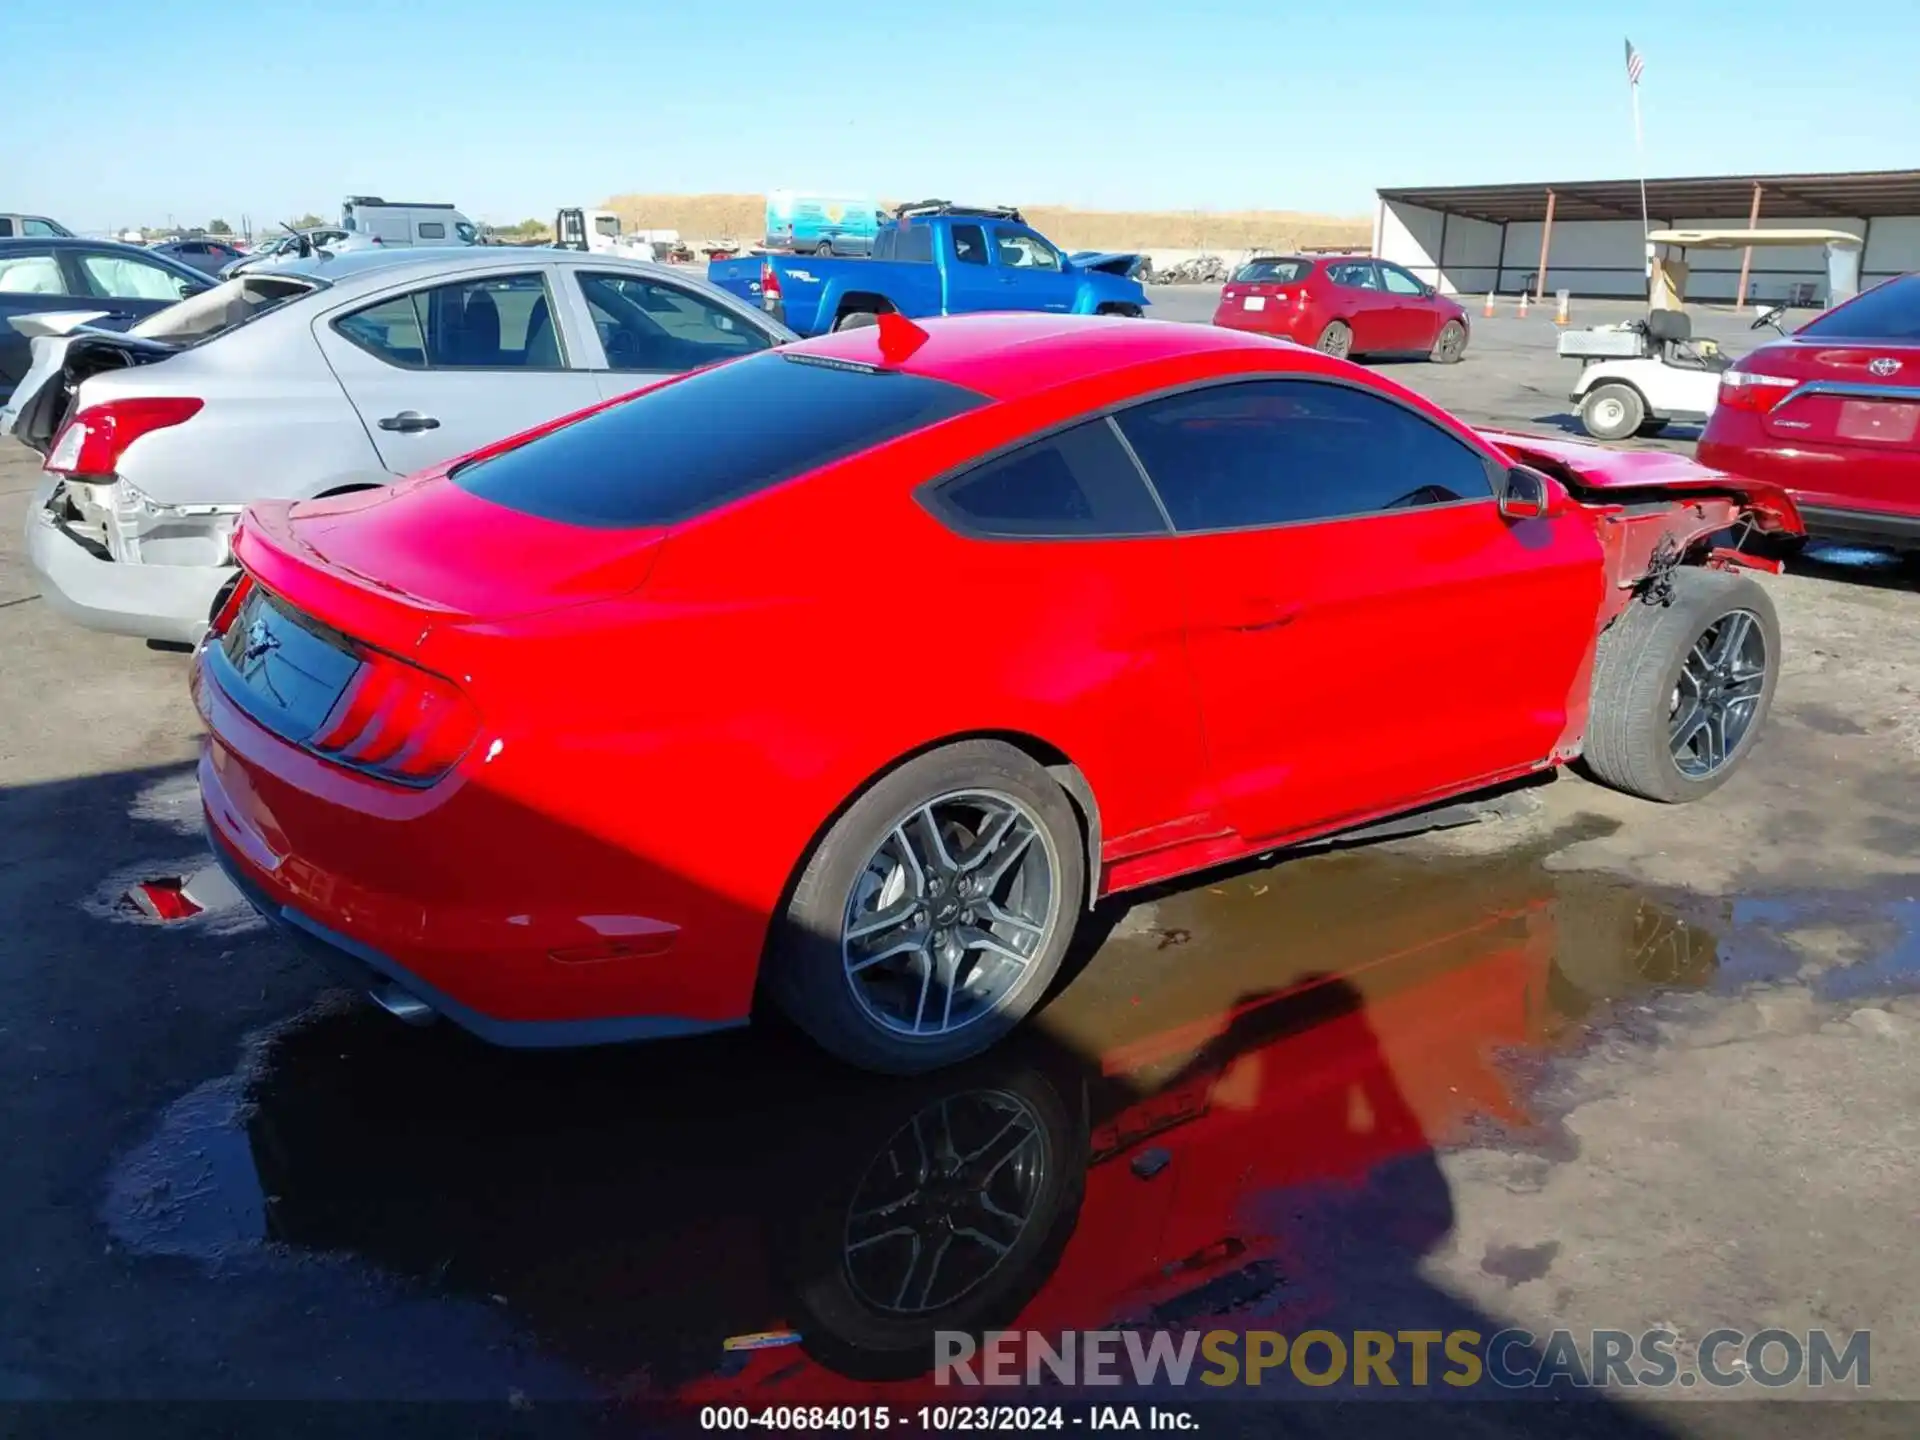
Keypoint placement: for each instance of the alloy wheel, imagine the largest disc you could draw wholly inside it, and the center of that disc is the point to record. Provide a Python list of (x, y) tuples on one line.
[(1718, 694), (944, 919)]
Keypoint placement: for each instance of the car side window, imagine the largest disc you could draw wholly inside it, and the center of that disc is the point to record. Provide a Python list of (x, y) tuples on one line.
[(1024, 250), (1079, 483), (1399, 282), (1354, 276), (431, 230), (1276, 452), (969, 244), (501, 322), (6, 228), (914, 242), (41, 228), (32, 273), (125, 277), (646, 325)]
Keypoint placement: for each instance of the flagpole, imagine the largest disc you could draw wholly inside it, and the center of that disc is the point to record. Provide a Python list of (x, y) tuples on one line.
[(1640, 153)]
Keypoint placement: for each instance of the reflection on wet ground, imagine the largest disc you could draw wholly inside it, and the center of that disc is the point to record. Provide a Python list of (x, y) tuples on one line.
[(1231, 1110)]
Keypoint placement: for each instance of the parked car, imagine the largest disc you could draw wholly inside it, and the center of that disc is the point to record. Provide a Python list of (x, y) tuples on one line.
[(974, 623), (1831, 413), (298, 245), (31, 227), (317, 377), (116, 283), (935, 258), (201, 253), (1343, 305)]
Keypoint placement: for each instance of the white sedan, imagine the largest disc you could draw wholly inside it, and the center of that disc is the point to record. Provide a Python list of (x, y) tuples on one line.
[(316, 377)]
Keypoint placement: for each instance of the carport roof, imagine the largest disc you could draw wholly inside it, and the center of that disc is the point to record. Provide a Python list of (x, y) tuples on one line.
[(1863, 193)]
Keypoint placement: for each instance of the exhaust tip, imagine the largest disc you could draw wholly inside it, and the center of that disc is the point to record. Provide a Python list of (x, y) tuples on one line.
[(402, 1004)]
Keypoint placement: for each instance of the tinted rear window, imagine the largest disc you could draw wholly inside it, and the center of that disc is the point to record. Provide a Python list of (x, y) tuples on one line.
[(1890, 311), (719, 434), (1275, 272)]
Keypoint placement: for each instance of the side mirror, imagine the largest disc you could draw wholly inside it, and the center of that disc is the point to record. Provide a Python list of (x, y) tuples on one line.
[(1529, 495)]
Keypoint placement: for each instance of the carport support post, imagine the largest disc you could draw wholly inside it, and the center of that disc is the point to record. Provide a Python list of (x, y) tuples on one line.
[(1746, 255), (1546, 240)]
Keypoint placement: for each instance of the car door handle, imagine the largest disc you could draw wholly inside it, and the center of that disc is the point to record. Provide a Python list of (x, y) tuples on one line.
[(408, 421)]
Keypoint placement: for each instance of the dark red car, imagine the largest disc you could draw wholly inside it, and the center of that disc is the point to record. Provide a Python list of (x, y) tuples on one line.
[(1831, 414), (1343, 305), (850, 675)]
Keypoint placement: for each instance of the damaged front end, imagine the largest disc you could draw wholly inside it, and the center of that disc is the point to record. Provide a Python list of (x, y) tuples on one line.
[(1655, 512)]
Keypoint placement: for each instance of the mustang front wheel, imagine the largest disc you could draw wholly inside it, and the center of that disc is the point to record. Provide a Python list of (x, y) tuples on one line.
[(935, 912), (1681, 689)]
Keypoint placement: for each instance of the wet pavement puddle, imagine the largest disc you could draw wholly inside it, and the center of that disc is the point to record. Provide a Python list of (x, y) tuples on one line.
[(1238, 1098)]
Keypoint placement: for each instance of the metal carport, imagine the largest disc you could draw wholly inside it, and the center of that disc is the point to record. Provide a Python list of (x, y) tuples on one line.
[(1586, 235)]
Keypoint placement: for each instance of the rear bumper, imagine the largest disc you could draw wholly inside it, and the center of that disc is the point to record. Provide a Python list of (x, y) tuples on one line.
[(364, 967), (154, 602), (513, 925), (1840, 490), (1279, 323), (1874, 525)]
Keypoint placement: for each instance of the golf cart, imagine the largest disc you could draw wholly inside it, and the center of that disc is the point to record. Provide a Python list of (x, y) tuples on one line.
[(1637, 376)]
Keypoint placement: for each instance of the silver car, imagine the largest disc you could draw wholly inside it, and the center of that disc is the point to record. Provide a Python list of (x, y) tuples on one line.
[(318, 377)]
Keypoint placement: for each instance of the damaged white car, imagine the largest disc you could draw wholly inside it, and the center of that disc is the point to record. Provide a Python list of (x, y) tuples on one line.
[(316, 377)]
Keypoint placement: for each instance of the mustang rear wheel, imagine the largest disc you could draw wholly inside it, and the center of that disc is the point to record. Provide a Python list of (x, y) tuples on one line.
[(1680, 690), (935, 912)]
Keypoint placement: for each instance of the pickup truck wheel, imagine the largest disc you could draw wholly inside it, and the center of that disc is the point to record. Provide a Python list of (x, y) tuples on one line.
[(935, 912), (1612, 411), (855, 319), (1681, 690), (1336, 340)]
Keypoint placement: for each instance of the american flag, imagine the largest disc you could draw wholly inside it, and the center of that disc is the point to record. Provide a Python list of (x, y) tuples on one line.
[(1634, 64)]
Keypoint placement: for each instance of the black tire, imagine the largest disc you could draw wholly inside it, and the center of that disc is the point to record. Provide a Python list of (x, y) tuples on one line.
[(1612, 411), (825, 247), (1450, 344), (1131, 312), (1336, 340), (856, 319), (806, 975), (1636, 675)]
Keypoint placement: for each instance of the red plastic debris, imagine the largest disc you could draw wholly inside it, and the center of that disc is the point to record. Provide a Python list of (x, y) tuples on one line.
[(164, 899)]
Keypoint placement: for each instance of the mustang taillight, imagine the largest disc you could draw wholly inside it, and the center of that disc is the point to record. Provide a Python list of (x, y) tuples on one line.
[(227, 605), (1751, 390), (398, 720), (92, 442)]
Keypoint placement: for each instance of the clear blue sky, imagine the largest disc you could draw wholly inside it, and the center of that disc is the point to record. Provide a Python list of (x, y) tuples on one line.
[(128, 111)]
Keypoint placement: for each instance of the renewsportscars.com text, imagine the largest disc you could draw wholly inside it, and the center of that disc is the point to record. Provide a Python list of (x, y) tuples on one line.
[(1511, 1359)]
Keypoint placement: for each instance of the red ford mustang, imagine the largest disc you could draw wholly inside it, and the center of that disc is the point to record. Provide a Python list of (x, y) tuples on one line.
[(849, 675)]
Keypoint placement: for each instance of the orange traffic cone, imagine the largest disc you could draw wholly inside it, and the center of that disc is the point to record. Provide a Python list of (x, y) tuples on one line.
[(1522, 311), (1488, 312), (1561, 316)]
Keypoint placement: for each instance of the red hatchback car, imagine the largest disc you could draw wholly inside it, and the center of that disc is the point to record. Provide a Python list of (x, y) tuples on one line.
[(1343, 305), (1831, 413), (854, 672)]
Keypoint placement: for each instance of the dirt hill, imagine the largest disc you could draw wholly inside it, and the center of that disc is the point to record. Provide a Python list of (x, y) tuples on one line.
[(741, 217)]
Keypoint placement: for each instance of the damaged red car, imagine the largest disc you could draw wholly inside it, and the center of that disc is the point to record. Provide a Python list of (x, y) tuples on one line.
[(843, 679)]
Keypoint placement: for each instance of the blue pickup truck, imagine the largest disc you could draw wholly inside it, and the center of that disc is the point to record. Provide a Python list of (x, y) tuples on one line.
[(936, 258)]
